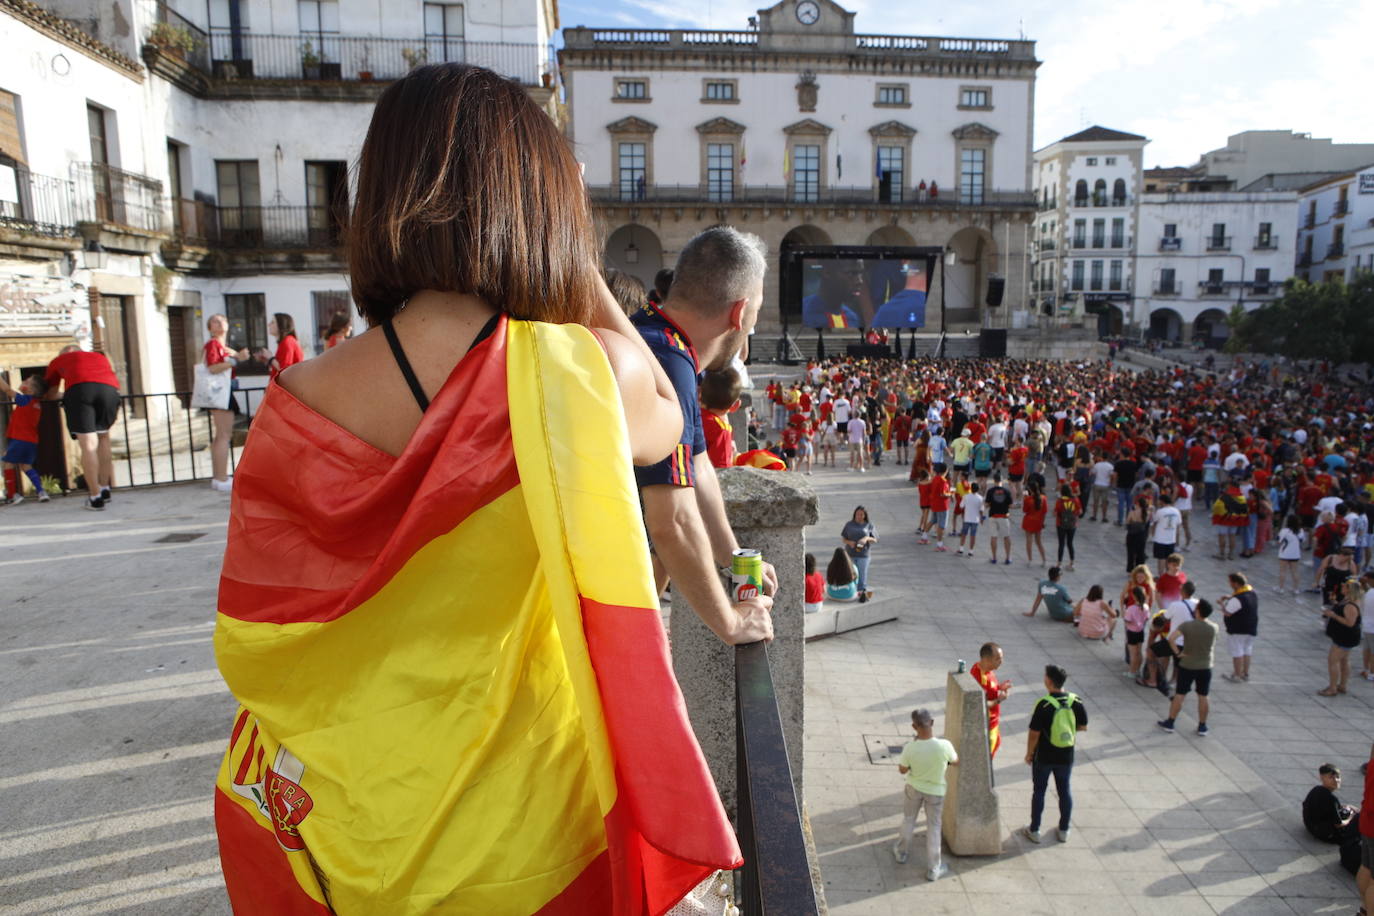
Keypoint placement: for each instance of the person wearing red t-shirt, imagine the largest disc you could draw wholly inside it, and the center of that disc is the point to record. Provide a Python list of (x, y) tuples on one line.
[(901, 435), (22, 432), (719, 392), (283, 327), (219, 358), (814, 597), (983, 671), (938, 498), (91, 403)]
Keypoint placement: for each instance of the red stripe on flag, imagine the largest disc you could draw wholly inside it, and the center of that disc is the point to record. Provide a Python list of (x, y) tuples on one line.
[(238, 727), (256, 873), (369, 512), (247, 757)]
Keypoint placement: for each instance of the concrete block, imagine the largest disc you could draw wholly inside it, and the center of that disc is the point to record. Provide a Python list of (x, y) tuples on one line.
[(972, 826), (768, 511)]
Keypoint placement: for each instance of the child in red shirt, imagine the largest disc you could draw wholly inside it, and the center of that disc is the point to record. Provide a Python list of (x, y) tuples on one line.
[(22, 433), (719, 394), (815, 586)]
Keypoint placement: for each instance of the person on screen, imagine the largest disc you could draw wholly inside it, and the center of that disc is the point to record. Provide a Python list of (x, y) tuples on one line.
[(833, 305), (907, 308)]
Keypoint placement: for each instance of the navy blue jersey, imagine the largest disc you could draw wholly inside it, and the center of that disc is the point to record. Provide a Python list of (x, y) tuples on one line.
[(673, 349)]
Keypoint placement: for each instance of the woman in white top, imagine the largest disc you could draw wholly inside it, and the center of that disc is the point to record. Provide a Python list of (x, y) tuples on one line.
[(1184, 504), (1290, 553), (858, 435), (825, 438), (1367, 624)]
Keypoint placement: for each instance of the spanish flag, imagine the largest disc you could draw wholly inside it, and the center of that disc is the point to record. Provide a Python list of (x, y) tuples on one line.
[(760, 458), (456, 694), (837, 320)]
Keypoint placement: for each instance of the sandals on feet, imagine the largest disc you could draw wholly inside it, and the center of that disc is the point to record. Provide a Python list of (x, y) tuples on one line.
[(1326, 692)]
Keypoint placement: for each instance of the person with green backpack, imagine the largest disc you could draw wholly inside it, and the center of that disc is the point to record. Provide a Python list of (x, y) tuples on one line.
[(1054, 726)]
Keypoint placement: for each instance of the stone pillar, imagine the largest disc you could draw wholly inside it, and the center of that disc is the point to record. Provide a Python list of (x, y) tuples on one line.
[(972, 826), (768, 511)]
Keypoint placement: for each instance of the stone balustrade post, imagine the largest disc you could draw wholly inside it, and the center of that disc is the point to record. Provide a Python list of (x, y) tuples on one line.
[(972, 825), (768, 511)]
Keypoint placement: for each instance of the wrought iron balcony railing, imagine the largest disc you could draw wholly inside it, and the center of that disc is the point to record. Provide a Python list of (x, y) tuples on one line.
[(42, 205), (257, 228), (787, 195), (105, 194)]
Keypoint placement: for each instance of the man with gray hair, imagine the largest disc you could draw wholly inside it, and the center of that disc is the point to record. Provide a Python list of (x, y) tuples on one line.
[(714, 300)]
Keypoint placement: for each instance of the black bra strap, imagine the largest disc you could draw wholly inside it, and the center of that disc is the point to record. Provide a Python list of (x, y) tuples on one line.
[(404, 365), (488, 329)]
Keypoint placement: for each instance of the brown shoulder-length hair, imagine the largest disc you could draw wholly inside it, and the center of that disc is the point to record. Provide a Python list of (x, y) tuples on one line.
[(466, 186)]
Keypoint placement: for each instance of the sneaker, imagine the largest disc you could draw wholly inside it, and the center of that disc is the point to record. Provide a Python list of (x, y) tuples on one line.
[(1007, 561), (1234, 679), (1167, 725), (938, 872), (993, 561), (923, 541), (1062, 834), (106, 494), (222, 486), (95, 504), (43, 497), (899, 856), (1032, 835), (941, 548), (17, 499), (1202, 730), (959, 552)]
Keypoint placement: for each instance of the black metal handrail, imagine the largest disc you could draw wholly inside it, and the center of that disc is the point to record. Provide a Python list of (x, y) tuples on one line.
[(776, 877), (267, 228), (781, 194), (44, 206), (106, 194), (159, 440)]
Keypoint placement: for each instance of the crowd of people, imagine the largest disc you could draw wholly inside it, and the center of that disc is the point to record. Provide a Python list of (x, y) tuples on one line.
[(1261, 463)]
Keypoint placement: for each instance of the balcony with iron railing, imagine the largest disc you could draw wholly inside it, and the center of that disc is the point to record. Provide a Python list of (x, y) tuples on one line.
[(804, 197), (1305, 259), (1214, 287), (1047, 244), (1257, 288), (1101, 200), (1335, 250), (1218, 243), (1341, 209), (273, 228), (116, 198), (1171, 243), (241, 54), (1310, 220), (1266, 243), (42, 204), (1165, 289), (1079, 242)]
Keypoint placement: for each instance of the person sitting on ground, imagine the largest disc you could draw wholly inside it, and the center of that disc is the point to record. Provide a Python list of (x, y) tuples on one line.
[(1054, 596), (1094, 616), (1330, 821)]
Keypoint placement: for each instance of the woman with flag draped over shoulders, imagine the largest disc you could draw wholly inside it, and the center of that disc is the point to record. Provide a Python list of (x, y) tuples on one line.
[(437, 610)]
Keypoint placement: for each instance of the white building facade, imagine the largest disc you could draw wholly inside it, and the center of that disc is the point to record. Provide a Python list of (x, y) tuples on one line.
[(1200, 254), (807, 132), (1336, 227), (1083, 249), (161, 162)]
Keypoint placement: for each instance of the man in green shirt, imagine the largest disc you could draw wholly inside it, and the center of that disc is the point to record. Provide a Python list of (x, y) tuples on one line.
[(923, 763), (1198, 637), (961, 451)]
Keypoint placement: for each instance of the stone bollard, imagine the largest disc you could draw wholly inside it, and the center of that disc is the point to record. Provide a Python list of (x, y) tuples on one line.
[(972, 825), (768, 511)]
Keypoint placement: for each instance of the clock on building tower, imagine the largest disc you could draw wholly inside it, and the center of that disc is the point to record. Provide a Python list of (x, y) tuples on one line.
[(808, 12)]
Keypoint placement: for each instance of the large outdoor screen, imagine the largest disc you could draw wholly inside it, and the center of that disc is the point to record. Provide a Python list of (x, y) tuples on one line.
[(857, 288)]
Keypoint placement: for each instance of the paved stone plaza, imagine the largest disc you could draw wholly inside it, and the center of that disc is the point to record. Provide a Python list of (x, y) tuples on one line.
[(1163, 823), (114, 719)]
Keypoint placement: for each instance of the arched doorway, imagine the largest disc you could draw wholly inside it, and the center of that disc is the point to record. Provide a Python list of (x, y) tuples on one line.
[(635, 250), (1166, 324), (1110, 321), (966, 279), (805, 235), (1211, 329), (891, 236)]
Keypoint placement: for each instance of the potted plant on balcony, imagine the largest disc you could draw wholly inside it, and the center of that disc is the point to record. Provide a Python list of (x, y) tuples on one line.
[(414, 57), (310, 61), (172, 40)]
